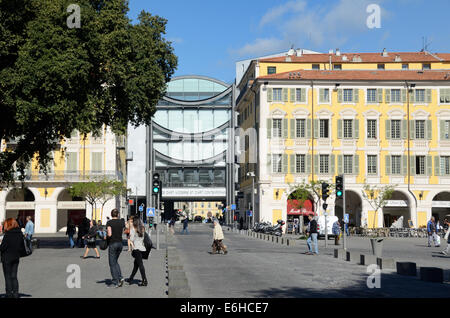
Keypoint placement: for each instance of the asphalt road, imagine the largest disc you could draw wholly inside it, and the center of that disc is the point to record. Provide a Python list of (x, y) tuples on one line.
[(256, 268)]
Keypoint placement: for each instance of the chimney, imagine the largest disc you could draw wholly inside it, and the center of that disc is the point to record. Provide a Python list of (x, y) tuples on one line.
[(384, 53), (299, 52), (330, 52), (338, 53)]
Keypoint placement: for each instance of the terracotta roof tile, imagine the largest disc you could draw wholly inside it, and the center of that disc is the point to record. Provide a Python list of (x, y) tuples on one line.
[(375, 75), (392, 57)]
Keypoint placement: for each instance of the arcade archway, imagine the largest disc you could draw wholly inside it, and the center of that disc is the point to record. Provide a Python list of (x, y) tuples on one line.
[(20, 203), (353, 204), (397, 210), (441, 207), (69, 207)]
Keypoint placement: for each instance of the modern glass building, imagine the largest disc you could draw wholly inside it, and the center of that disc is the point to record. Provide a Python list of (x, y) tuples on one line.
[(190, 141)]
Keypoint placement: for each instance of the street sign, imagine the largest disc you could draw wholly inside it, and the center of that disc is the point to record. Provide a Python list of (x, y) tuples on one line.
[(346, 218), (150, 212), (249, 212), (233, 207), (141, 208)]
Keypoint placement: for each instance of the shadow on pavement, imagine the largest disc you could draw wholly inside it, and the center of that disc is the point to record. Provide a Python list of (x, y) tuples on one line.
[(20, 295)]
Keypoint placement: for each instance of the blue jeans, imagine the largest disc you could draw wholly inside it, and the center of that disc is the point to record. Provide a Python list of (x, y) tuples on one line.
[(313, 236), (72, 243), (113, 256), (185, 230)]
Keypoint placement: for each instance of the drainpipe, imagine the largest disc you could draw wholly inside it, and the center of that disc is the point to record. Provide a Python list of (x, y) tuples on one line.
[(409, 155), (312, 139)]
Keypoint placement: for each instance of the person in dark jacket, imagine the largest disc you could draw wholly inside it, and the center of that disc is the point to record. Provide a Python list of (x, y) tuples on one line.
[(11, 249), (312, 233), (71, 230), (90, 239)]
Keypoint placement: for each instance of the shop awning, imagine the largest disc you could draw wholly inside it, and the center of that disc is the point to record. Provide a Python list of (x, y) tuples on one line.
[(306, 209)]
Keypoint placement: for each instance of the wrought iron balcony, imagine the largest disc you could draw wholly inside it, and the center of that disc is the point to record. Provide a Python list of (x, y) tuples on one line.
[(72, 176)]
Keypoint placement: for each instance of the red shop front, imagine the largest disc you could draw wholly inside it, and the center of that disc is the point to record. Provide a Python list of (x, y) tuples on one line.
[(294, 213)]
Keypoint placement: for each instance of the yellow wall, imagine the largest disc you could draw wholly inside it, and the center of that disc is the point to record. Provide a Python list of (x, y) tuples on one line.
[(45, 218), (276, 215), (421, 219), (372, 219)]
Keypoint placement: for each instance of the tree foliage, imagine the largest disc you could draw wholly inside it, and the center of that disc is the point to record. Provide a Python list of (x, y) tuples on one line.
[(377, 196), (304, 191), (55, 79)]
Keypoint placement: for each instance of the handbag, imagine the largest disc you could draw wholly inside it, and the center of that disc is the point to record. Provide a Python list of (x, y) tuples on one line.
[(103, 244), (27, 248)]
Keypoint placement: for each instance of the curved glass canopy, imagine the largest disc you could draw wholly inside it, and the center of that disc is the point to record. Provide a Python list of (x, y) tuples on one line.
[(193, 89)]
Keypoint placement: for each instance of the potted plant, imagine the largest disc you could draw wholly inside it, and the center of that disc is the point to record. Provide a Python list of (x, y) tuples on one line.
[(377, 197)]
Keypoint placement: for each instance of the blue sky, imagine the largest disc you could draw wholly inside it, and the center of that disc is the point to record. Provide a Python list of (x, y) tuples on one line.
[(209, 36)]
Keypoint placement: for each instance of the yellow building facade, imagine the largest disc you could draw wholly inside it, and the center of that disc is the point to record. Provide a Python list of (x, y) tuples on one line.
[(45, 197), (377, 118)]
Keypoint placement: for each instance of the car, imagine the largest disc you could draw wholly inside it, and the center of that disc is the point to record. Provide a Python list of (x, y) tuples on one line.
[(197, 218)]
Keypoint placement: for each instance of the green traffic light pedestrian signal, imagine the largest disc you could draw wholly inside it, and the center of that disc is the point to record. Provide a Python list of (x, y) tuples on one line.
[(156, 184), (339, 187)]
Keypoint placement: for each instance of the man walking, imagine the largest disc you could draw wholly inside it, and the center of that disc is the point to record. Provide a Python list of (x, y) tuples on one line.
[(29, 230), (185, 226), (431, 229), (336, 232), (115, 229), (312, 233)]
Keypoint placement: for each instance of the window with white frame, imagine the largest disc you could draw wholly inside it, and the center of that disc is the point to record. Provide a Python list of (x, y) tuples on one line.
[(396, 96), (371, 95), (323, 164), (420, 96), (348, 128), (348, 164), (371, 129), (300, 128), (420, 165), (395, 129), (446, 129), (277, 163), (396, 164), (276, 128), (372, 164), (348, 95), (444, 95), (445, 165), (300, 163), (277, 92), (420, 129), (298, 94), (323, 128), (326, 95)]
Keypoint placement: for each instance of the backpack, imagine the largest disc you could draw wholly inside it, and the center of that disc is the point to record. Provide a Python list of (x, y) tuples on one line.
[(148, 244)]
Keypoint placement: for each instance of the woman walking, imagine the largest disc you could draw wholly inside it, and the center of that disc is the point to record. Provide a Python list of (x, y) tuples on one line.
[(11, 248), (90, 238), (136, 241), (71, 230)]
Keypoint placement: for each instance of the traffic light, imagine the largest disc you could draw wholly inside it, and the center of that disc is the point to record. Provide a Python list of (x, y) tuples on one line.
[(150, 221), (156, 184), (339, 187), (325, 190)]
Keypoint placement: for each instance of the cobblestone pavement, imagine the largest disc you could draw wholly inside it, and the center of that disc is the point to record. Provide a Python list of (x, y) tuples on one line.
[(256, 268), (44, 273)]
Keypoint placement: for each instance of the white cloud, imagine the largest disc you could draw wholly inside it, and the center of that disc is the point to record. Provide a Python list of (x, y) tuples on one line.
[(175, 40), (330, 25)]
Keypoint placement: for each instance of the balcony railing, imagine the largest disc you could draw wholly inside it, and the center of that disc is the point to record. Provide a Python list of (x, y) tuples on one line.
[(73, 176)]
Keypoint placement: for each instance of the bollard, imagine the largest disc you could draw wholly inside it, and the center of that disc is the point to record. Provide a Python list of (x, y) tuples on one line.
[(385, 263), (367, 259), (406, 268), (338, 253), (432, 274)]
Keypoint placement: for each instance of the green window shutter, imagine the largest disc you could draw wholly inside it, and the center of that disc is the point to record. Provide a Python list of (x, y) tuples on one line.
[(316, 164), (379, 95), (356, 128), (308, 128), (96, 158), (308, 164), (388, 165), (303, 97), (356, 164), (292, 163), (339, 95), (387, 95), (284, 162), (269, 128), (403, 92), (428, 131), (340, 169), (292, 130), (412, 164), (404, 165), (292, 93), (412, 129), (339, 129), (437, 166), (71, 163), (316, 128), (284, 124), (429, 166), (269, 94), (356, 95), (412, 96), (332, 164), (321, 95), (428, 95), (404, 128), (388, 129), (442, 129), (269, 163), (284, 93)]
